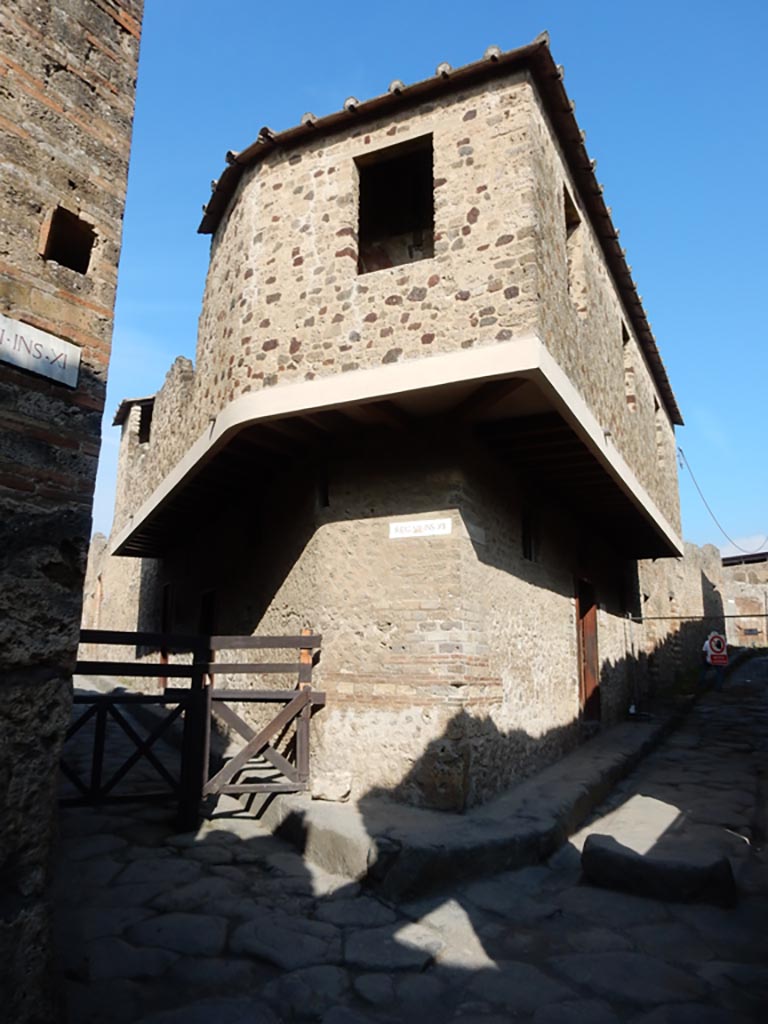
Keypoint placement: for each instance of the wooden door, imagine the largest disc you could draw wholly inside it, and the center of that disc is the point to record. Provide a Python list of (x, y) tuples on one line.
[(589, 667)]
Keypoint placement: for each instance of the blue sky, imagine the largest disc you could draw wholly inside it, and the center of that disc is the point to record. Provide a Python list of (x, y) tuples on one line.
[(671, 96)]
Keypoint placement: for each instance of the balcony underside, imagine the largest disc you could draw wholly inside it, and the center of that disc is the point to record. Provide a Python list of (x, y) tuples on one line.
[(527, 421)]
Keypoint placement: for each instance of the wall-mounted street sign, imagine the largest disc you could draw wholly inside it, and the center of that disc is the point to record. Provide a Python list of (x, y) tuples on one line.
[(420, 528), (31, 349)]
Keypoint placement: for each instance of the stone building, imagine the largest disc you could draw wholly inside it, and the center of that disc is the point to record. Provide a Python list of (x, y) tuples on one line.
[(67, 74), (428, 419)]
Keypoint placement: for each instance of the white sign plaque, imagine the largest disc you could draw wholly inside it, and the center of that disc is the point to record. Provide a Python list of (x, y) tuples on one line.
[(420, 528), (31, 349)]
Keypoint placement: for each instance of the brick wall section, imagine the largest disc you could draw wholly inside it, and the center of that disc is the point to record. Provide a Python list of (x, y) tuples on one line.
[(284, 302), (67, 80)]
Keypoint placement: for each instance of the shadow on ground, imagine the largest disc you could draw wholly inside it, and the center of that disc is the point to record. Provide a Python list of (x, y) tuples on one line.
[(230, 925)]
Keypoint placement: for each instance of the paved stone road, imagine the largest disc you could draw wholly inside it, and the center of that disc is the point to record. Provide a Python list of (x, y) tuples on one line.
[(231, 926)]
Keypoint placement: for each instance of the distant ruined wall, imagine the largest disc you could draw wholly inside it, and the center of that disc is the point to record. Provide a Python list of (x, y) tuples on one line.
[(671, 590), (112, 595), (66, 106), (140, 461), (753, 573), (746, 596)]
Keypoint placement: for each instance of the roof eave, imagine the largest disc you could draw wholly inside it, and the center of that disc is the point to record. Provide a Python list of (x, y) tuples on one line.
[(121, 415)]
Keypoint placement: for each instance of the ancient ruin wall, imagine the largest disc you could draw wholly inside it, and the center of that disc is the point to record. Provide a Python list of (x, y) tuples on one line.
[(66, 105), (138, 459), (680, 601), (583, 323)]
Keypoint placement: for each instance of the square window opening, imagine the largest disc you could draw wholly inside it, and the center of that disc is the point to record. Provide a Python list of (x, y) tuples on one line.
[(661, 437), (70, 241), (145, 422), (397, 209), (630, 385)]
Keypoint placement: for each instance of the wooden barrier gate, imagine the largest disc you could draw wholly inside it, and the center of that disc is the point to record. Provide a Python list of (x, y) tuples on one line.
[(193, 707)]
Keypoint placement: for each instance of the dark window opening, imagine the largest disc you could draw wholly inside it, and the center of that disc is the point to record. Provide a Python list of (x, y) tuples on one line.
[(145, 422), (572, 218), (397, 210), (530, 539), (166, 609), (323, 490), (574, 254), (630, 386), (661, 446), (166, 626), (206, 620), (70, 241)]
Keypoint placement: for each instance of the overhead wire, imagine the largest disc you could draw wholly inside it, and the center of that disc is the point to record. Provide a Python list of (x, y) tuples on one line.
[(761, 546)]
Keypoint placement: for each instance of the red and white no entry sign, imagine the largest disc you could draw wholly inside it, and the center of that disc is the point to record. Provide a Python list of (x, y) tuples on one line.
[(718, 649)]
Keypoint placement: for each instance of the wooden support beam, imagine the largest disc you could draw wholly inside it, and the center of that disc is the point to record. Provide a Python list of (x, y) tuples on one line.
[(484, 398), (330, 421), (297, 430), (255, 746), (387, 413)]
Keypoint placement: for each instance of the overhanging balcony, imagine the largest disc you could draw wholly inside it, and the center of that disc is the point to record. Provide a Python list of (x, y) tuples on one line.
[(512, 398)]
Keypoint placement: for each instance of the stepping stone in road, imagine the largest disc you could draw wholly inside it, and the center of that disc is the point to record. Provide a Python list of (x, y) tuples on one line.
[(681, 872)]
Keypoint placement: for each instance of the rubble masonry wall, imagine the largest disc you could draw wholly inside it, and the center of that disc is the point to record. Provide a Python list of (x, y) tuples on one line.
[(66, 106)]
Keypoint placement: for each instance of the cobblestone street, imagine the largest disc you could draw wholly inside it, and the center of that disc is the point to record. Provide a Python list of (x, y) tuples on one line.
[(232, 926)]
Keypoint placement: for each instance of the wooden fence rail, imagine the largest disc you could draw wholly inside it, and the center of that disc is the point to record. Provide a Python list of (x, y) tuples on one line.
[(194, 706)]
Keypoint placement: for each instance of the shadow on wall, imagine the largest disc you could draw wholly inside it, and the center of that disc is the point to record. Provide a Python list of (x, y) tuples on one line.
[(452, 769), (254, 562), (251, 568), (675, 662), (250, 543)]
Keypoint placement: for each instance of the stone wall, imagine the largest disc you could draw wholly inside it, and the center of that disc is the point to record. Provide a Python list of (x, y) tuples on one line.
[(284, 300), (681, 601), (66, 105), (450, 662), (748, 572), (584, 324), (746, 592)]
